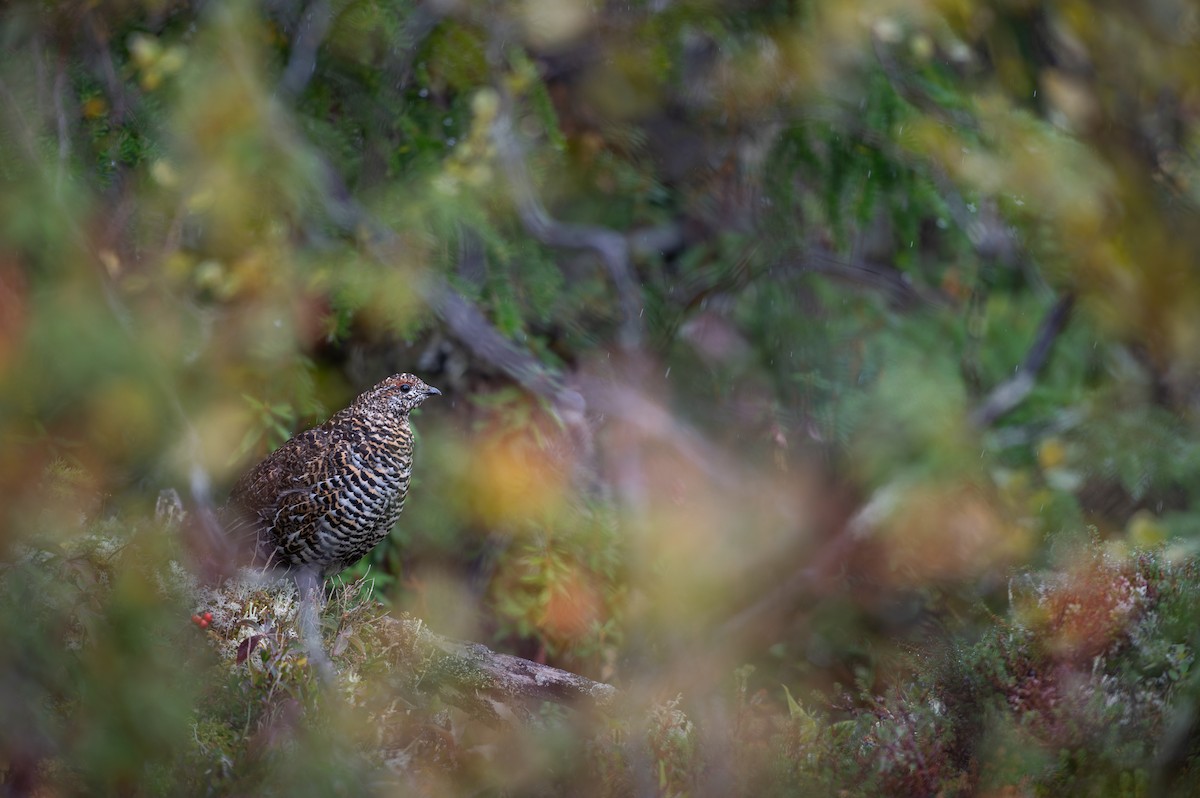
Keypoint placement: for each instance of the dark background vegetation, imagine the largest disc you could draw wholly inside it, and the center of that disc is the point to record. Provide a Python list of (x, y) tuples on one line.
[(823, 375)]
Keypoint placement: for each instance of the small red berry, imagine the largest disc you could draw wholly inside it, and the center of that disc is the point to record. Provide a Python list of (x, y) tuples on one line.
[(196, 619), (203, 624), (207, 616)]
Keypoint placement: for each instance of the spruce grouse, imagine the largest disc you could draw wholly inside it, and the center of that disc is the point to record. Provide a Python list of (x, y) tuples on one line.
[(324, 499)]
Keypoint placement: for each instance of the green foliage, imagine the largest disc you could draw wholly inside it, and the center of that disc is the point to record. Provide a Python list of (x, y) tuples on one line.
[(672, 742), (98, 651), (847, 225), (566, 592), (1069, 694)]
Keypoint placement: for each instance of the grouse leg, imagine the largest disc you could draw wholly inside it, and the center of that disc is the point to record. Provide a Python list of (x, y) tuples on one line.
[(312, 599)]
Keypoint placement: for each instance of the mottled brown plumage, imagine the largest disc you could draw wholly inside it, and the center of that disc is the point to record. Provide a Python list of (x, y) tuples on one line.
[(329, 495)]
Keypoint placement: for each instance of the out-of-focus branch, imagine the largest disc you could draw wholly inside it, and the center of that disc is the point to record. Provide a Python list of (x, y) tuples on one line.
[(462, 318), (62, 126), (654, 422), (464, 321), (910, 90), (804, 587), (817, 260), (612, 247), (490, 686), (199, 482), (419, 23), (123, 100), (991, 237), (314, 24), (649, 241), (210, 545), (888, 280), (21, 126), (1010, 393)]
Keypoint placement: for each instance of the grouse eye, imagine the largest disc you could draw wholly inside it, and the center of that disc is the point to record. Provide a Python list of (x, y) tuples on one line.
[(405, 388)]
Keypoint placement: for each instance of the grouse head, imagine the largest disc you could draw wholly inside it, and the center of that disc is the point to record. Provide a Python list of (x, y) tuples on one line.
[(398, 394)]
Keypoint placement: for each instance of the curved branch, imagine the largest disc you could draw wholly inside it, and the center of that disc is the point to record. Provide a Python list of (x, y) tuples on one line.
[(314, 24), (611, 246), (1007, 395), (464, 321), (887, 279), (490, 686)]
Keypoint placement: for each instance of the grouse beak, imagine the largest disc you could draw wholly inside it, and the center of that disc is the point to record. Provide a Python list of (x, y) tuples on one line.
[(431, 391)]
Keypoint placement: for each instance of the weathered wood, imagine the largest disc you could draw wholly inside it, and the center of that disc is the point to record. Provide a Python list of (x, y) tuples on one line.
[(258, 608), (491, 686)]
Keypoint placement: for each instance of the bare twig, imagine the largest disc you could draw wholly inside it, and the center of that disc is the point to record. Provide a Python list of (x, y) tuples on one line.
[(612, 247), (490, 686), (915, 94), (462, 319), (22, 126), (648, 241), (889, 280), (654, 421), (418, 24), (1010, 393), (991, 237), (466, 322), (123, 100), (314, 24), (824, 574), (63, 129), (199, 481)]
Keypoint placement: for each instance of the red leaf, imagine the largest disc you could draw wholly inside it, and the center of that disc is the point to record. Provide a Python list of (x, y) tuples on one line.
[(246, 647)]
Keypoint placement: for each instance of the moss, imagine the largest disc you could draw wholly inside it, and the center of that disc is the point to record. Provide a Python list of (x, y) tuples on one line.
[(1071, 692)]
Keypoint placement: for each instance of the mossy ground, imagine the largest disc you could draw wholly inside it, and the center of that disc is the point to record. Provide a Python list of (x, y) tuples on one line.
[(1086, 686)]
